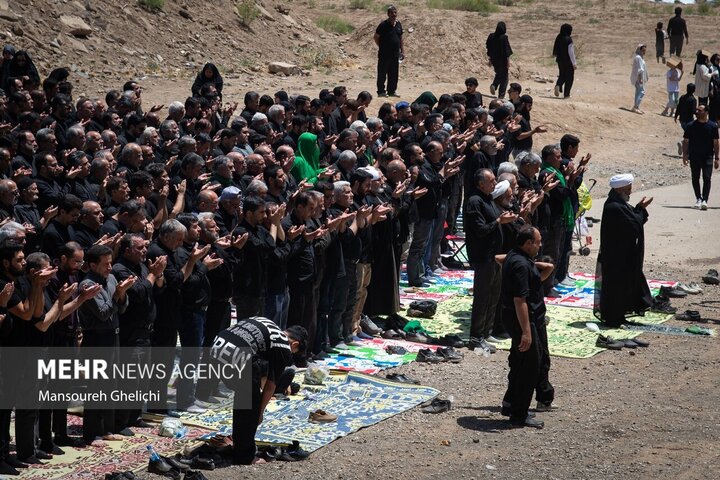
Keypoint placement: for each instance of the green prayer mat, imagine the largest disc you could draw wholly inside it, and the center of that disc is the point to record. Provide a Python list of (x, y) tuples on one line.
[(567, 335)]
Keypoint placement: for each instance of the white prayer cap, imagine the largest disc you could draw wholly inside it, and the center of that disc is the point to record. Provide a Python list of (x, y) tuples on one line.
[(372, 171), (500, 189), (622, 180)]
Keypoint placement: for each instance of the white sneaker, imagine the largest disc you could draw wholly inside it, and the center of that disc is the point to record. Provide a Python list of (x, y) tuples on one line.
[(703, 205), (699, 203), (195, 409), (568, 282)]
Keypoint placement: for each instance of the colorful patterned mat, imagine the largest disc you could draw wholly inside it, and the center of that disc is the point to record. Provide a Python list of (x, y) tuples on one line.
[(567, 335), (92, 463), (359, 401), (582, 294)]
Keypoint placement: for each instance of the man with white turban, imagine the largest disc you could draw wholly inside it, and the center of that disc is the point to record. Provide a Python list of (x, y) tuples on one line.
[(621, 289)]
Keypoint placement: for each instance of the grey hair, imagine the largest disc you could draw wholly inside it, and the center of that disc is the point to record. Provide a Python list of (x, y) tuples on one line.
[(175, 107), (507, 167), (259, 117), (274, 110), (339, 186), (75, 131), (221, 161), (43, 134), (166, 124), (357, 124), (186, 141), (373, 123), (316, 194), (525, 159), (128, 148), (255, 186), (486, 141), (510, 106), (347, 155), (204, 216), (12, 229), (170, 227), (145, 135)]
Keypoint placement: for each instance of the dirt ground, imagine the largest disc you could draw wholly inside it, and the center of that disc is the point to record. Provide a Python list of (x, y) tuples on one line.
[(652, 413)]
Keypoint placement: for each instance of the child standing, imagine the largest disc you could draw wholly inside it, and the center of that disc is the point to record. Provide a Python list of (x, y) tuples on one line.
[(660, 42), (673, 76)]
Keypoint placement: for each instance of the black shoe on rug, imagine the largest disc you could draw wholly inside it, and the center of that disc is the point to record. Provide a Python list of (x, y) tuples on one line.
[(672, 292), (451, 340), (140, 423), (662, 306), (176, 464), (32, 460)]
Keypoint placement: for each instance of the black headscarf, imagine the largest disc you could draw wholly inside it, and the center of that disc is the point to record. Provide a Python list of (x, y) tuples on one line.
[(562, 40), (29, 70), (201, 80)]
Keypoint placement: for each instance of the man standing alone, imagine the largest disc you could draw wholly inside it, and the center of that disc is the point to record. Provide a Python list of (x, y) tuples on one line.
[(676, 29), (700, 144), (388, 37)]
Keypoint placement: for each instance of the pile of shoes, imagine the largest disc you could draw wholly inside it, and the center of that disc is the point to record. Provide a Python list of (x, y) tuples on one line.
[(711, 278), (661, 304), (610, 343), (422, 308), (291, 453)]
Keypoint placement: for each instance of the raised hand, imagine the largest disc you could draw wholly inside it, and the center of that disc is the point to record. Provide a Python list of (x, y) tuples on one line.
[(644, 202), (65, 292), (212, 261), (506, 217), (89, 291), (295, 231), (310, 236), (240, 241), (223, 242), (199, 252), (158, 266), (125, 285), (6, 294)]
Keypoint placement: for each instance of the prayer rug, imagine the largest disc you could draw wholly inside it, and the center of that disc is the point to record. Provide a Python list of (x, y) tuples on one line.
[(582, 294), (92, 463), (358, 402)]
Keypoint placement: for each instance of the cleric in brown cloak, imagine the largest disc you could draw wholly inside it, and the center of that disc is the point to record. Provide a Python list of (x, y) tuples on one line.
[(621, 286)]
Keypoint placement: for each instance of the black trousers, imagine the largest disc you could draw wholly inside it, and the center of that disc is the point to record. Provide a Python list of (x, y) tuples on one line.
[(303, 308), (676, 44), (352, 291), (501, 77), (141, 355), (339, 291), (566, 77), (98, 422), (54, 421), (247, 306), (696, 170), (245, 424), (486, 292), (387, 68), (544, 391), (164, 335), (524, 369), (553, 239)]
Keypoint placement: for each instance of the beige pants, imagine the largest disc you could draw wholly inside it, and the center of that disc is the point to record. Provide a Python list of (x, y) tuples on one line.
[(363, 275)]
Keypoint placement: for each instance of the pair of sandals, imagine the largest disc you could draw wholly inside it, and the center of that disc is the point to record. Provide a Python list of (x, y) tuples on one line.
[(612, 344)]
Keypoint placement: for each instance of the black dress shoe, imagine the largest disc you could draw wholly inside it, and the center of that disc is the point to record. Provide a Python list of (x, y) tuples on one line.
[(176, 464), (528, 422), (160, 467), (6, 469), (51, 449), (142, 424), (68, 441), (33, 460), (126, 432), (15, 463)]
